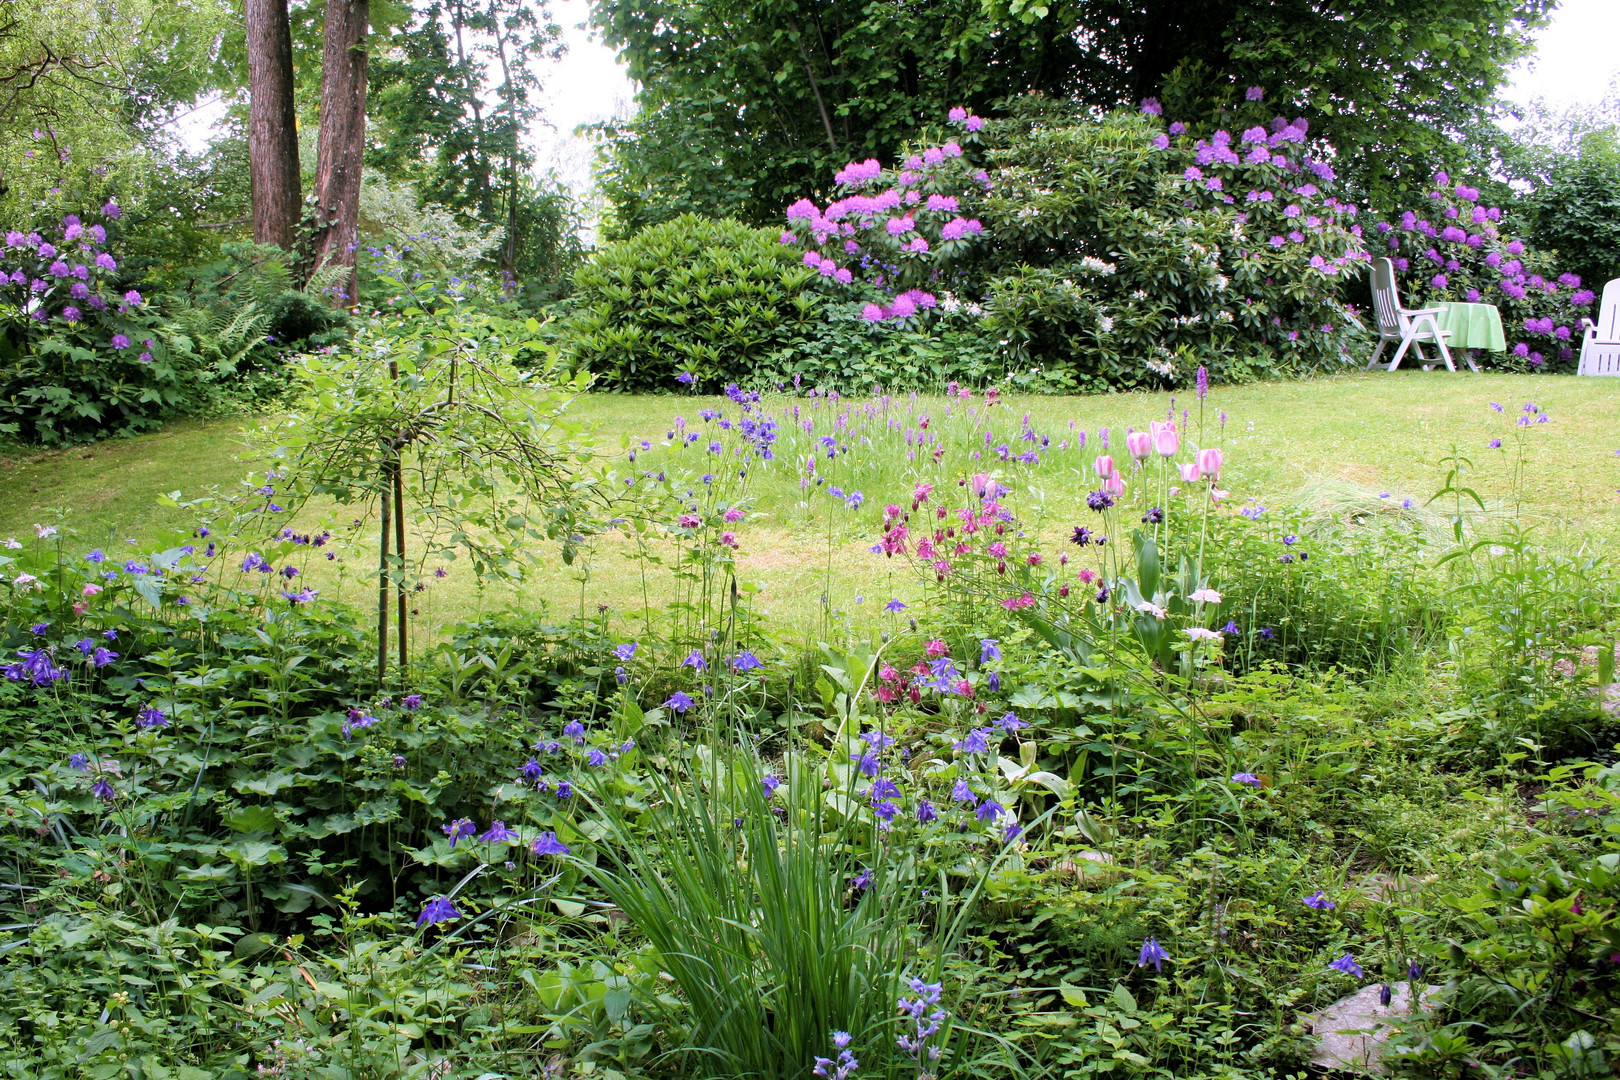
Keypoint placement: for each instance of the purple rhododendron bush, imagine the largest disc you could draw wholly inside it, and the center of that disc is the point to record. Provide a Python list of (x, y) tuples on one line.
[(1123, 252)]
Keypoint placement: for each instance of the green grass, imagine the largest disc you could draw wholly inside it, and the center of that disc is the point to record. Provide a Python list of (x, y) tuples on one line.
[(1327, 443)]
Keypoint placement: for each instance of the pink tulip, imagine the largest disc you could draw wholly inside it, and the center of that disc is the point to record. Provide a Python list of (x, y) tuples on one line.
[(1114, 485), (1166, 439), (1140, 444), (1105, 465), (1210, 461), (1189, 473)]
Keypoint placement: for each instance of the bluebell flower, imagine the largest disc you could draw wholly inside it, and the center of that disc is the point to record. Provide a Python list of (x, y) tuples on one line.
[(1152, 953), (436, 911)]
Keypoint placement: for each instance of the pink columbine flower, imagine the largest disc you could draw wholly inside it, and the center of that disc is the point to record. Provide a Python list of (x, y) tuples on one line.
[(935, 649), (90, 590)]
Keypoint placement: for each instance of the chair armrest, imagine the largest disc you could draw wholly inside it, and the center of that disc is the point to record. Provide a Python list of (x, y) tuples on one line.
[(1409, 312), (1588, 324)]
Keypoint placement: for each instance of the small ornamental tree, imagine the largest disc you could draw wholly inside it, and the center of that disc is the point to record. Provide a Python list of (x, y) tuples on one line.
[(449, 421)]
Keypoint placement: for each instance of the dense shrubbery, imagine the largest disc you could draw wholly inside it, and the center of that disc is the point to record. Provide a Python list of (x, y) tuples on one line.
[(709, 301)]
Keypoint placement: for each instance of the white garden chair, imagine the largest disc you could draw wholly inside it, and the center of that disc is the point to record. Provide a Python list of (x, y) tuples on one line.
[(1600, 348), (1409, 327)]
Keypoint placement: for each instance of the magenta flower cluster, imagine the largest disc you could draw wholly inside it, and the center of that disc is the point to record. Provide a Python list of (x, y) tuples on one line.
[(55, 279), (895, 227)]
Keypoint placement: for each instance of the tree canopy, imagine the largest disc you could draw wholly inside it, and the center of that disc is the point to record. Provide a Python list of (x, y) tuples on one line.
[(747, 105)]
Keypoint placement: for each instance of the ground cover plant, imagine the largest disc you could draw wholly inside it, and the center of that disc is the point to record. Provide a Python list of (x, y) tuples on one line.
[(1122, 771)]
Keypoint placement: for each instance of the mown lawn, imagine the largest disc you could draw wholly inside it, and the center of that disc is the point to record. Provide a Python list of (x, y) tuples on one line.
[(1320, 442)]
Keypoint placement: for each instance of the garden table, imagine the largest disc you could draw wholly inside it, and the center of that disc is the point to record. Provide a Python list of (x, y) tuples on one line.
[(1472, 326)]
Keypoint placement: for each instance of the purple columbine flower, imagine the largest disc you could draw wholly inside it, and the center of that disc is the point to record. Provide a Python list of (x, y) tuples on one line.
[(745, 661), (680, 701), (459, 829), (1246, 778), (1230, 627), (79, 763), (565, 790), (625, 651), (412, 701), (548, 844), (989, 810), (867, 763), (596, 759), (884, 788), (576, 731), (1385, 992), (770, 784), (1348, 965), (532, 770), (1319, 901), (103, 789), (1152, 953), (498, 834), (894, 606), (962, 793), (989, 649), (926, 811), (695, 661), (437, 910), (152, 717)]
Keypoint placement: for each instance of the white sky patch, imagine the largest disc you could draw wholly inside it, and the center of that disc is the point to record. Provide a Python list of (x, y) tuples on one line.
[(1576, 59)]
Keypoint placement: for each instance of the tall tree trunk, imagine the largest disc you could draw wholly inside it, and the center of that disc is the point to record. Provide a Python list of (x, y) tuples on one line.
[(342, 141), (272, 124)]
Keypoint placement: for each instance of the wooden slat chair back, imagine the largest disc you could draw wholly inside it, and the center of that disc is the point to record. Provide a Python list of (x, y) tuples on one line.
[(1409, 327), (1600, 348)]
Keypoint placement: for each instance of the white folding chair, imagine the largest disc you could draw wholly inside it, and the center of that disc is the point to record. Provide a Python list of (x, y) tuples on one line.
[(1409, 327), (1600, 348)]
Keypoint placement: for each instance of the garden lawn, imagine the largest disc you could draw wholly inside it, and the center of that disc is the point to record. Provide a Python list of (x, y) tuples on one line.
[(1334, 443)]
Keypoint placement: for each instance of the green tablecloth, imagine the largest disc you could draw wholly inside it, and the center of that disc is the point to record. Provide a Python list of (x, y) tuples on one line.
[(1472, 326)]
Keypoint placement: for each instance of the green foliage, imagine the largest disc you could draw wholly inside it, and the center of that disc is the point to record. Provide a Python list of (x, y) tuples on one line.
[(745, 108), (714, 299), (1574, 206)]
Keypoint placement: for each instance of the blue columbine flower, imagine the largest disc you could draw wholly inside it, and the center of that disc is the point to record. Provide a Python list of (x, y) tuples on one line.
[(95, 556), (694, 660), (1230, 628), (680, 701), (412, 701), (499, 834), (458, 829), (40, 629), (962, 793), (576, 731), (1348, 965), (596, 759), (746, 661), (532, 770), (85, 646), (1152, 953), (894, 606), (885, 810), (877, 740), (1319, 901), (989, 810), (1414, 971), (884, 788), (103, 789), (926, 811), (866, 763), (1011, 722), (625, 651), (1267, 633), (152, 717), (1385, 992), (565, 790), (989, 649), (548, 844), (977, 741), (437, 910), (79, 763), (1246, 778), (770, 784)]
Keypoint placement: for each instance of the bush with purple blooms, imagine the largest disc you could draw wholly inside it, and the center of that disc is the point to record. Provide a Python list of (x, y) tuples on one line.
[(77, 353)]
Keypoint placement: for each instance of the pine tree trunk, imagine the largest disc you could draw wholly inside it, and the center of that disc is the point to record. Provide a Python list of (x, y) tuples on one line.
[(272, 124), (342, 140)]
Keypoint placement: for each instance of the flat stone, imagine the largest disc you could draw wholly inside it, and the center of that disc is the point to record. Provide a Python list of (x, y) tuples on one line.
[(1350, 1033)]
